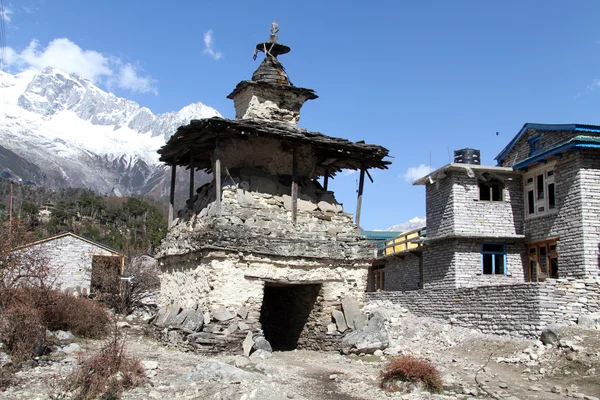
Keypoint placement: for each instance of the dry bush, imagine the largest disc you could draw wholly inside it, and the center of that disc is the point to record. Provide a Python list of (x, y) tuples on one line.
[(107, 373), (23, 332), (407, 368), (81, 316)]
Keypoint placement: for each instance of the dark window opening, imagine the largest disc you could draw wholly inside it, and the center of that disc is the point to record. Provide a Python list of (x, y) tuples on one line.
[(285, 312), (530, 202), (491, 191), (493, 258), (540, 187), (554, 268), (551, 196)]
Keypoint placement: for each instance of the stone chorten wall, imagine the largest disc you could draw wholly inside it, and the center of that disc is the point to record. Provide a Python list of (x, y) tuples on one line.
[(286, 279)]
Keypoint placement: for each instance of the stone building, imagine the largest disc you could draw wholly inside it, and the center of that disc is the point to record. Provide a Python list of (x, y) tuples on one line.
[(492, 229), (264, 248), (74, 261)]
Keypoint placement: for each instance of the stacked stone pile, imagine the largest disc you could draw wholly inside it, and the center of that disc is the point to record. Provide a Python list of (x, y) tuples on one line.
[(205, 332)]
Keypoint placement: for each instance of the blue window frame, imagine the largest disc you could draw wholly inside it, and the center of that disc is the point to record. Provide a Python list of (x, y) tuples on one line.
[(493, 259), (535, 146)]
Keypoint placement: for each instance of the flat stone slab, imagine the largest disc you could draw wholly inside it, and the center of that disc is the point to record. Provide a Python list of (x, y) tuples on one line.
[(340, 320), (352, 312), (248, 343), (222, 314)]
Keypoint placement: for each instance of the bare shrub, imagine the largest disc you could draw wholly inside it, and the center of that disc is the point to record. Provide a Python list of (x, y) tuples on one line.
[(81, 316), (407, 368), (23, 332), (107, 373), (144, 282)]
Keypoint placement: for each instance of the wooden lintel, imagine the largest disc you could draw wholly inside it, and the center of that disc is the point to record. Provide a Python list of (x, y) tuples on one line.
[(218, 175), (361, 185), (192, 169), (172, 194), (294, 184)]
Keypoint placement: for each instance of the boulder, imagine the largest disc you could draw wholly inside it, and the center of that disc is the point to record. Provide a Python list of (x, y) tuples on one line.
[(213, 370), (166, 316), (64, 336), (72, 348), (367, 339), (260, 343), (551, 334), (589, 321), (149, 364), (5, 360)]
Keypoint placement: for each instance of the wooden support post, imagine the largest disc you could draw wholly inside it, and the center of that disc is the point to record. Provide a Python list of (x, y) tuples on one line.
[(217, 172), (191, 174), (326, 179), (294, 185), (361, 185), (172, 194)]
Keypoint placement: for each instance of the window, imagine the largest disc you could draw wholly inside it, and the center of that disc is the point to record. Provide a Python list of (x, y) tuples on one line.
[(540, 190), (543, 260), (490, 191), (379, 278), (535, 144), (493, 258)]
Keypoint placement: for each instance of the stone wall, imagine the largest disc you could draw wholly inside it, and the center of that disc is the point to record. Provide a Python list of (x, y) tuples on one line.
[(453, 263), (439, 199), (472, 216), (519, 309), (70, 260), (590, 211), (402, 272), (224, 261)]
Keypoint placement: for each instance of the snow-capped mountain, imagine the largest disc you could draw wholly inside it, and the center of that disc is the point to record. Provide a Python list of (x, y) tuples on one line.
[(59, 130), (413, 223)]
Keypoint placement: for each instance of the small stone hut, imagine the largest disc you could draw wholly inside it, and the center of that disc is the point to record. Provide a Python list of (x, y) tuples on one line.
[(264, 247)]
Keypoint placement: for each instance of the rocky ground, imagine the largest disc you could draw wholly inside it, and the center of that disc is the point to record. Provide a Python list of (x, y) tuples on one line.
[(473, 365)]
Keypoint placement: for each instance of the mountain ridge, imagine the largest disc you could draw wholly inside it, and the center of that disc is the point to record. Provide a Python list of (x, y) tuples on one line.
[(64, 131)]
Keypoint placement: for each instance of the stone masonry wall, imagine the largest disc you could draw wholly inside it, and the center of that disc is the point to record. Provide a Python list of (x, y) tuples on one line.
[(439, 207), (590, 210), (402, 273), (222, 261), (70, 259), (467, 264), (438, 262), (486, 218), (457, 263), (519, 309)]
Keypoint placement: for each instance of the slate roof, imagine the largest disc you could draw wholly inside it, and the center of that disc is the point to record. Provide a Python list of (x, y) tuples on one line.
[(334, 154)]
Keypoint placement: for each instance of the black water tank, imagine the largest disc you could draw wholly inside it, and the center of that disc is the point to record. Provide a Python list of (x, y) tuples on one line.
[(467, 156)]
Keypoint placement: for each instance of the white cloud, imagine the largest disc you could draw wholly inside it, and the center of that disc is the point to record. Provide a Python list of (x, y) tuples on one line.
[(208, 45), (414, 173), (5, 14), (69, 57), (129, 79), (349, 172)]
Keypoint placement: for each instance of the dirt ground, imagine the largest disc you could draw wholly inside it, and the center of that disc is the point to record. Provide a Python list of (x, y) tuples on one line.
[(473, 365)]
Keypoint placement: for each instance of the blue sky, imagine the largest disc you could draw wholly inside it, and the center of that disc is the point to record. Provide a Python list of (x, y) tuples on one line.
[(420, 78)]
